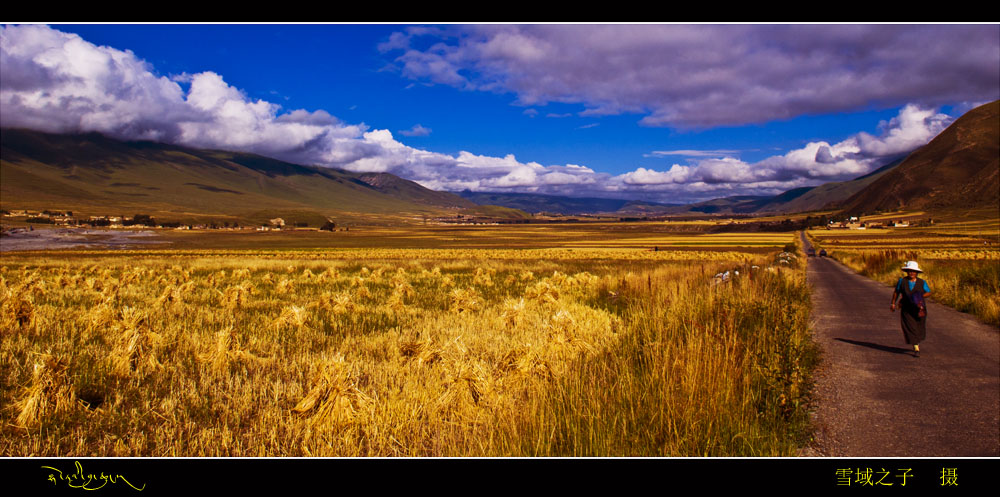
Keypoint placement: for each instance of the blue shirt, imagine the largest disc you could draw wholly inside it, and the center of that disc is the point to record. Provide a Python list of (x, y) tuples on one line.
[(899, 285)]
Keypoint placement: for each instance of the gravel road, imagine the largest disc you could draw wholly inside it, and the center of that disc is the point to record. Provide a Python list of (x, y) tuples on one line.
[(875, 399)]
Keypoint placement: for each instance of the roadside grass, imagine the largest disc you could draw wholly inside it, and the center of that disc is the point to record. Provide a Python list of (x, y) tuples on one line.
[(960, 263)]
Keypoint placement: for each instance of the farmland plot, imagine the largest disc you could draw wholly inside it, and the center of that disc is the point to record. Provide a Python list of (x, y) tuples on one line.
[(404, 352)]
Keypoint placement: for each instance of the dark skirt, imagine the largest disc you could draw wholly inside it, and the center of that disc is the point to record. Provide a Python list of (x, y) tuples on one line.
[(914, 326)]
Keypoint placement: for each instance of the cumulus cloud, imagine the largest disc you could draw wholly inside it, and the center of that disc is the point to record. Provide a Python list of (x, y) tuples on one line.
[(812, 164), (711, 75), (58, 82), (912, 128)]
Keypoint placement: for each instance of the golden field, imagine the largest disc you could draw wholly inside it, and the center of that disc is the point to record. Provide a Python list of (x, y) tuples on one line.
[(567, 349)]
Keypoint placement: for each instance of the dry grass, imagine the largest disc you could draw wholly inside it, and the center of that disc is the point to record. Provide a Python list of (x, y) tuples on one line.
[(419, 353)]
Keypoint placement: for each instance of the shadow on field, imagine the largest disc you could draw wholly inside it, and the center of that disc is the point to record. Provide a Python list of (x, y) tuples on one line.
[(883, 348)]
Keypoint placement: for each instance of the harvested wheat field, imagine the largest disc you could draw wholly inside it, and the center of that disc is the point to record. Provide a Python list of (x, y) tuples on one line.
[(405, 352)]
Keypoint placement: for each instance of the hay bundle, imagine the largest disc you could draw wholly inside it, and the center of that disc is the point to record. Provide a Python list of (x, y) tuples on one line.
[(239, 274), (285, 286), (226, 350), (543, 292), (330, 274), (483, 278), (363, 292), (513, 312), (216, 278), (51, 392), (338, 304), (291, 317), (237, 296), (464, 384), (335, 399), (404, 288), (561, 327), (420, 351), (173, 295), (18, 312), (179, 274), (464, 300), (219, 356), (523, 363), (102, 316), (399, 278), (396, 304), (133, 276), (134, 349), (583, 280)]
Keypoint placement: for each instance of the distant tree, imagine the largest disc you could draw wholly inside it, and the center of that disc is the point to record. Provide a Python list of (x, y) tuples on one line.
[(143, 219)]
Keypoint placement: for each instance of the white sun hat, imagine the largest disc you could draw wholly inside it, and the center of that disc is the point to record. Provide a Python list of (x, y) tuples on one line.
[(912, 266)]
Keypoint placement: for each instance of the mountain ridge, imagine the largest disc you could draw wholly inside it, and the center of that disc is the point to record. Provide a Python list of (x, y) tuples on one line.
[(94, 173), (958, 169)]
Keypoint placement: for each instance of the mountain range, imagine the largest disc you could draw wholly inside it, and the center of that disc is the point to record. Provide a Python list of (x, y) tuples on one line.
[(805, 199), (98, 175)]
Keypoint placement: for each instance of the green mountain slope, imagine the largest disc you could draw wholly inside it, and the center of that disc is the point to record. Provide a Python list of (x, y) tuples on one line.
[(93, 174)]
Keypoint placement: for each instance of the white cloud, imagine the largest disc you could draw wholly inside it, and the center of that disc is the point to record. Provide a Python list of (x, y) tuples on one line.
[(58, 82), (814, 163), (677, 174), (912, 128)]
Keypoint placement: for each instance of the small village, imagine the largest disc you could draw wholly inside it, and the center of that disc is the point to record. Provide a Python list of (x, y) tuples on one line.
[(66, 219)]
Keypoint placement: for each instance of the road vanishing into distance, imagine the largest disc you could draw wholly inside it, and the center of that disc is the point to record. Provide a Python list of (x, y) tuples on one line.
[(874, 398)]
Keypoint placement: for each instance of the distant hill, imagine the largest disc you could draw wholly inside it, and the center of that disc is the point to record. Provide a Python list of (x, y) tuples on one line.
[(738, 204), (91, 173), (958, 169), (827, 196), (805, 199), (405, 189), (552, 204)]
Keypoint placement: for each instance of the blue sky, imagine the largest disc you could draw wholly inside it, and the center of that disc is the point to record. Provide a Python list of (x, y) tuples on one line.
[(670, 113)]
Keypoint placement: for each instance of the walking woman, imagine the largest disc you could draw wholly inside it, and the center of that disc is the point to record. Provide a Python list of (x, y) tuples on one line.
[(912, 308)]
